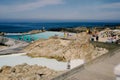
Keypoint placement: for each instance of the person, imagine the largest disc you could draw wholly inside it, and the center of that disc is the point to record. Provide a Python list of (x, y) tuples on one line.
[(67, 34), (68, 65), (92, 37), (64, 34), (97, 38), (88, 31)]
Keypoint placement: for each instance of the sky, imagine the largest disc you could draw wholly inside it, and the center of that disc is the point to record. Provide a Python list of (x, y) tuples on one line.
[(60, 10)]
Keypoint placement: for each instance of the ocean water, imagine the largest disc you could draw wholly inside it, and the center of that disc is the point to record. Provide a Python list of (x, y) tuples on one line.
[(24, 27)]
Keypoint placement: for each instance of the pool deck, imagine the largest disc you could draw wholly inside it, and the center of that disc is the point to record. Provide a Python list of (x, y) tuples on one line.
[(99, 69)]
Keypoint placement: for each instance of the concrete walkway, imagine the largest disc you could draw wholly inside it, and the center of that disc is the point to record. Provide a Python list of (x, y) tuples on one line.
[(100, 69)]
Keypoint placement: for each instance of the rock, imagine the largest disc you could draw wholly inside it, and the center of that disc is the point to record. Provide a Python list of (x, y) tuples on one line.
[(77, 48), (2, 33), (35, 31), (3, 40), (11, 46), (27, 72), (5, 69)]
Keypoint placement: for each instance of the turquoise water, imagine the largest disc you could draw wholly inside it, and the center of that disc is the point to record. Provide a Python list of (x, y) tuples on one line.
[(32, 37)]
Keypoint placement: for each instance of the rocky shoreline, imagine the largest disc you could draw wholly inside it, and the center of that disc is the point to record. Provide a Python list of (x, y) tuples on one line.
[(75, 30), (10, 46), (34, 31), (83, 29), (27, 72), (23, 33)]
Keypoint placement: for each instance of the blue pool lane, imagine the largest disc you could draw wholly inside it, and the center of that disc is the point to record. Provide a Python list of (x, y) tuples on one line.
[(32, 37)]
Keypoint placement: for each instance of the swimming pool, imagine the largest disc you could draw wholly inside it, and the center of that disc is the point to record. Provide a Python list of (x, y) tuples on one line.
[(15, 59), (32, 37)]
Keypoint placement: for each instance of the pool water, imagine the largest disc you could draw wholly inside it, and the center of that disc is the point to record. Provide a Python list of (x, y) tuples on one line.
[(15, 59), (32, 37)]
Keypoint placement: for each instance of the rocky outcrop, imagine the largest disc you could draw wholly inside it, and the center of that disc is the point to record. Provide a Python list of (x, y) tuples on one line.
[(65, 49), (76, 30), (2, 33), (27, 72), (11, 45), (34, 31), (9, 41), (3, 46)]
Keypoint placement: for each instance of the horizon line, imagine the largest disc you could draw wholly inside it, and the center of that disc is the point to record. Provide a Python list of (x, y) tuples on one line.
[(56, 20)]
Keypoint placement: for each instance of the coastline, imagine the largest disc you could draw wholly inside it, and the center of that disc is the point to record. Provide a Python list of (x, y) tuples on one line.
[(83, 29), (74, 30), (59, 40), (62, 44), (62, 26)]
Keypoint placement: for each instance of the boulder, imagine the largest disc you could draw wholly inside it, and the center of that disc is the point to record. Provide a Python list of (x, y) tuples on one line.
[(65, 49), (27, 72)]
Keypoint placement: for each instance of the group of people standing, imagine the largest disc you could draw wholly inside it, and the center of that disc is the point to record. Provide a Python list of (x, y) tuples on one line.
[(93, 34), (66, 34)]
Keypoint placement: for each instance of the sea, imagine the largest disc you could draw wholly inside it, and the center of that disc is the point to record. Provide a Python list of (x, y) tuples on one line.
[(25, 27)]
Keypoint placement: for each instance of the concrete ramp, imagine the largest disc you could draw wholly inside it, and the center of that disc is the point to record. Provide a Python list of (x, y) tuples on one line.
[(100, 69)]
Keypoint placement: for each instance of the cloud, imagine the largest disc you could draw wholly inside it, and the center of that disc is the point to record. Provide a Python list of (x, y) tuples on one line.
[(29, 6)]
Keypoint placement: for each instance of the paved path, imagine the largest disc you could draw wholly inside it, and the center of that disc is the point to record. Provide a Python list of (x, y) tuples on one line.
[(103, 69)]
